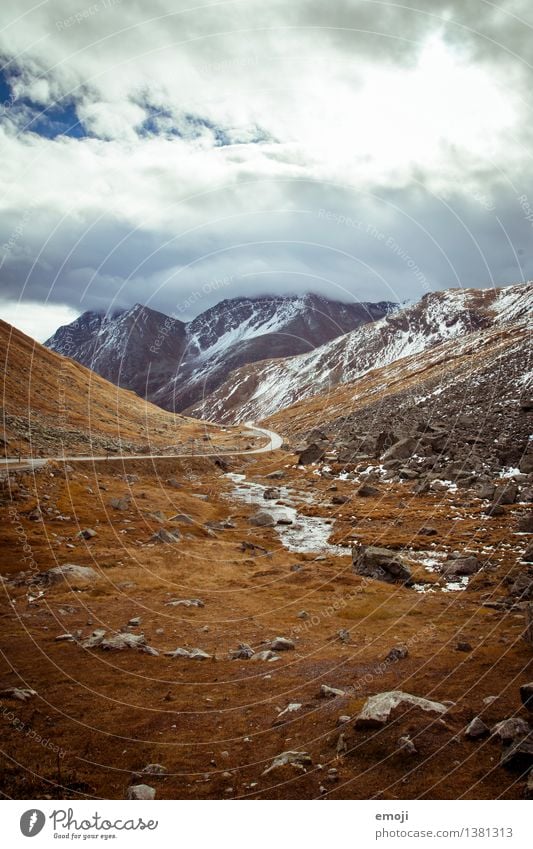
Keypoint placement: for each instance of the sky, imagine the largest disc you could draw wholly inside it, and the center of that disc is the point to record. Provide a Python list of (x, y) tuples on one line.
[(179, 153)]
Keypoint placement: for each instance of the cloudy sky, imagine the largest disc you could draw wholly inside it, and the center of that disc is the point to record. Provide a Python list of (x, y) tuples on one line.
[(177, 153)]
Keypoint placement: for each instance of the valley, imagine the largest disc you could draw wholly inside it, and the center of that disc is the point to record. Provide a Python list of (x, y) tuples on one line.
[(261, 617)]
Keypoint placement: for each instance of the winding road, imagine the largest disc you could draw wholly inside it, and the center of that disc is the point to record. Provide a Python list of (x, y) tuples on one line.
[(273, 444)]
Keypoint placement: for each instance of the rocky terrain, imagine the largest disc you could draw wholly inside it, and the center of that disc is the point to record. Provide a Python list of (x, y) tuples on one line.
[(348, 617), (177, 364)]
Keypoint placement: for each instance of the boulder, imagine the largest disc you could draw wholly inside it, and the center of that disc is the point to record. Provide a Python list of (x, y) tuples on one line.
[(263, 520), (510, 730), (281, 644), (519, 755), (526, 464), (165, 537), (527, 556), (486, 491), (327, 692), (340, 499), (397, 653), (242, 652), (401, 450), (379, 709), (20, 694), (505, 494), (190, 654), (461, 566), (87, 533), (266, 655), (141, 792), (381, 564), (120, 503), (427, 532), (367, 491), (476, 729), (71, 573), (313, 453), (155, 770), (271, 493), (525, 524), (185, 602)]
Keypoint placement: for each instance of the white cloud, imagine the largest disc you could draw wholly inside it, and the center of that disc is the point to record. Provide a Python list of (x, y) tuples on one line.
[(37, 320)]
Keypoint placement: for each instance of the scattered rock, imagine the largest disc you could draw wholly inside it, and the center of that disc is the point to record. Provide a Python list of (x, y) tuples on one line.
[(525, 524), (182, 518), (297, 759), (505, 494), (344, 635), (427, 532), (528, 789), (510, 730), (330, 692), (340, 499), (71, 573), (174, 483), (140, 792), (367, 491), (312, 454), (406, 746), (87, 533), (463, 646), (379, 709), (476, 729), (401, 450), (165, 537), (271, 493), (20, 694), (134, 622), (381, 564), (185, 602), (242, 652), (120, 503), (263, 520), (281, 644), (397, 653), (155, 770), (461, 566), (265, 655), (190, 654), (519, 755)]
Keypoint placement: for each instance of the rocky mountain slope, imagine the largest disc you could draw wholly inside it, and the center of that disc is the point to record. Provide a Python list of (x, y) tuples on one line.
[(176, 365), (260, 390)]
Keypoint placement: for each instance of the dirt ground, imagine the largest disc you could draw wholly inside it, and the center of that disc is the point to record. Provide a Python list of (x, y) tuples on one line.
[(99, 717)]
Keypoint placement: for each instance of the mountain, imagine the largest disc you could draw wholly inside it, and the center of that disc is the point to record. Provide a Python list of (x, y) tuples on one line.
[(260, 390), (177, 364), (51, 403)]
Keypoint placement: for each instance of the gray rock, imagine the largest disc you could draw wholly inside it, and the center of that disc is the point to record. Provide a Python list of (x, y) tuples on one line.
[(263, 520), (327, 692), (20, 694), (519, 755), (381, 564), (528, 789), (185, 602), (340, 499), (155, 770), (461, 566), (406, 746), (378, 710), (266, 655), (510, 730), (271, 493), (401, 450), (367, 491), (71, 573), (87, 533), (476, 729), (242, 652), (190, 654), (120, 503), (506, 494), (122, 641), (397, 653), (281, 644), (312, 454), (297, 759), (165, 537), (182, 518), (525, 524), (141, 792)]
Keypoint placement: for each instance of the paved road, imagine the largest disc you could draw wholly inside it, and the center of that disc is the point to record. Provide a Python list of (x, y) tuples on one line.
[(274, 442)]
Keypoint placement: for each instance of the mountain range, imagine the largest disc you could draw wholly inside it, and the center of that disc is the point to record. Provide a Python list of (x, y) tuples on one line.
[(176, 364)]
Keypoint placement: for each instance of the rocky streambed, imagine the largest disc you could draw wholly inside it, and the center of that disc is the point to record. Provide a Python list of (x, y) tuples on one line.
[(298, 533)]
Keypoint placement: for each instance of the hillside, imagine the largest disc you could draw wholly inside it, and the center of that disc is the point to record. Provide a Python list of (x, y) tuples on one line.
[(50, 404), (260, 390)]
